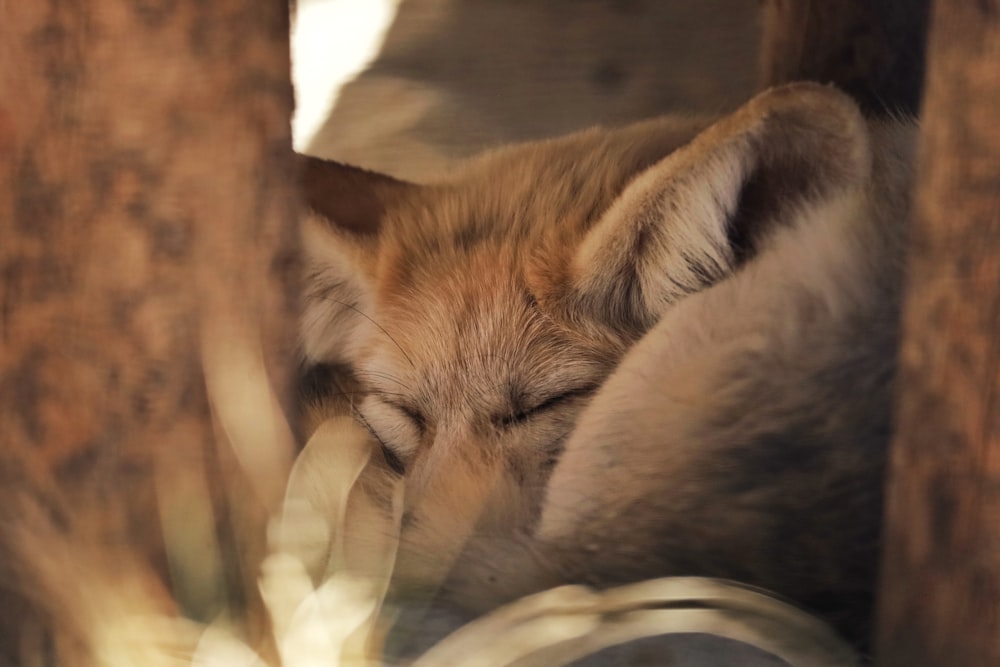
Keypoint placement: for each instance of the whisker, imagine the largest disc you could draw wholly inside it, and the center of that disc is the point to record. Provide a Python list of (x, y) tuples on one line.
[(391, 458), (389, 394), (385, 376), (379, 326), (364, 422), (345, 394)]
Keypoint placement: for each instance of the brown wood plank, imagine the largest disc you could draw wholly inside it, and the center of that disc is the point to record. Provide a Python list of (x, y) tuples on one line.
[(940, 595), (872, 49), (146, 223)]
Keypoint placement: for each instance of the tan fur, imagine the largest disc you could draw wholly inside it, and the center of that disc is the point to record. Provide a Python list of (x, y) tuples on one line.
[(482, 315)]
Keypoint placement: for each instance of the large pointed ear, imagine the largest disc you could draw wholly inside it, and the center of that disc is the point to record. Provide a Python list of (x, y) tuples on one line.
[(346, 213), (693, 217)]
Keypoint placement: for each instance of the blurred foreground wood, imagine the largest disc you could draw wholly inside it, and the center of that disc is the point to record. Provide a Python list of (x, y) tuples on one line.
[(147, 277), (940, 595)]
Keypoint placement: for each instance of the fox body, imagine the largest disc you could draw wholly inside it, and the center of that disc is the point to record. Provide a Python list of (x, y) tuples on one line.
[(664, 349)]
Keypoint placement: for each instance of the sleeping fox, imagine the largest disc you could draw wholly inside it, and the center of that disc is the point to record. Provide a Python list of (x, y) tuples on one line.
[(663, 349)]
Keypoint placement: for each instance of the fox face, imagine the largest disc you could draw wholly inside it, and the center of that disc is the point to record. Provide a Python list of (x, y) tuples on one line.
[(472, 398), (453, 306), (472, 394), (559, 346)]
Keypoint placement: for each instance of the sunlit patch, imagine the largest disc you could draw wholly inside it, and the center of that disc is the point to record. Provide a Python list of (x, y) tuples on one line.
[(555, 627), (332, 40), (326, 607), (333, 544), (337, 622), (315, 627)]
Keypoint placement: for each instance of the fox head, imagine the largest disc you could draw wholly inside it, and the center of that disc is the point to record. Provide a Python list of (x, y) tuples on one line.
[(479, 314)]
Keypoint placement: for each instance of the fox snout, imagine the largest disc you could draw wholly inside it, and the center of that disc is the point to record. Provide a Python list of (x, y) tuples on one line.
[(450, 495)]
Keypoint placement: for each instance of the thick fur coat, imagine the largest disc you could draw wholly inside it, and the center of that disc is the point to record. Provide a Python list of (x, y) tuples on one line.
[(664, 349)]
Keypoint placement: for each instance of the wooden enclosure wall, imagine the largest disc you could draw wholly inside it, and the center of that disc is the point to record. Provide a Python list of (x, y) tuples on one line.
[(940, 588), (940, 597), (872, 49), (148, 274)]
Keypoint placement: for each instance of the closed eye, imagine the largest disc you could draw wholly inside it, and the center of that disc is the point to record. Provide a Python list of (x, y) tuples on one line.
[(524, 415), (412, 414), (391, 458)]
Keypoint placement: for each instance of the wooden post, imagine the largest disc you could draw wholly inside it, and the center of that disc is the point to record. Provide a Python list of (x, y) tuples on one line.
[(147, 298), (940, 589), (872, 49)]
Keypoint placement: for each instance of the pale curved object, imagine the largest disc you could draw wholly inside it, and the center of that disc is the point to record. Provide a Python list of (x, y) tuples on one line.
[(580, 622)]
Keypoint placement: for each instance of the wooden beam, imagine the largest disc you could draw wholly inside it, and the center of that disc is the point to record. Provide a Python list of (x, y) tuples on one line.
[(147, 299), (940, 591), (872, 49)]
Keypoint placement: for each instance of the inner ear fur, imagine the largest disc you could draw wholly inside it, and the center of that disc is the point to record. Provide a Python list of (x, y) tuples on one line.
[(347, 210), (349, 198), (693, 217)]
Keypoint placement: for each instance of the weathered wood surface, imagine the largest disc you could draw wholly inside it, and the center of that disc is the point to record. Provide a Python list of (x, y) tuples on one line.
[(872, 49), (940, 596), (146, 235)]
